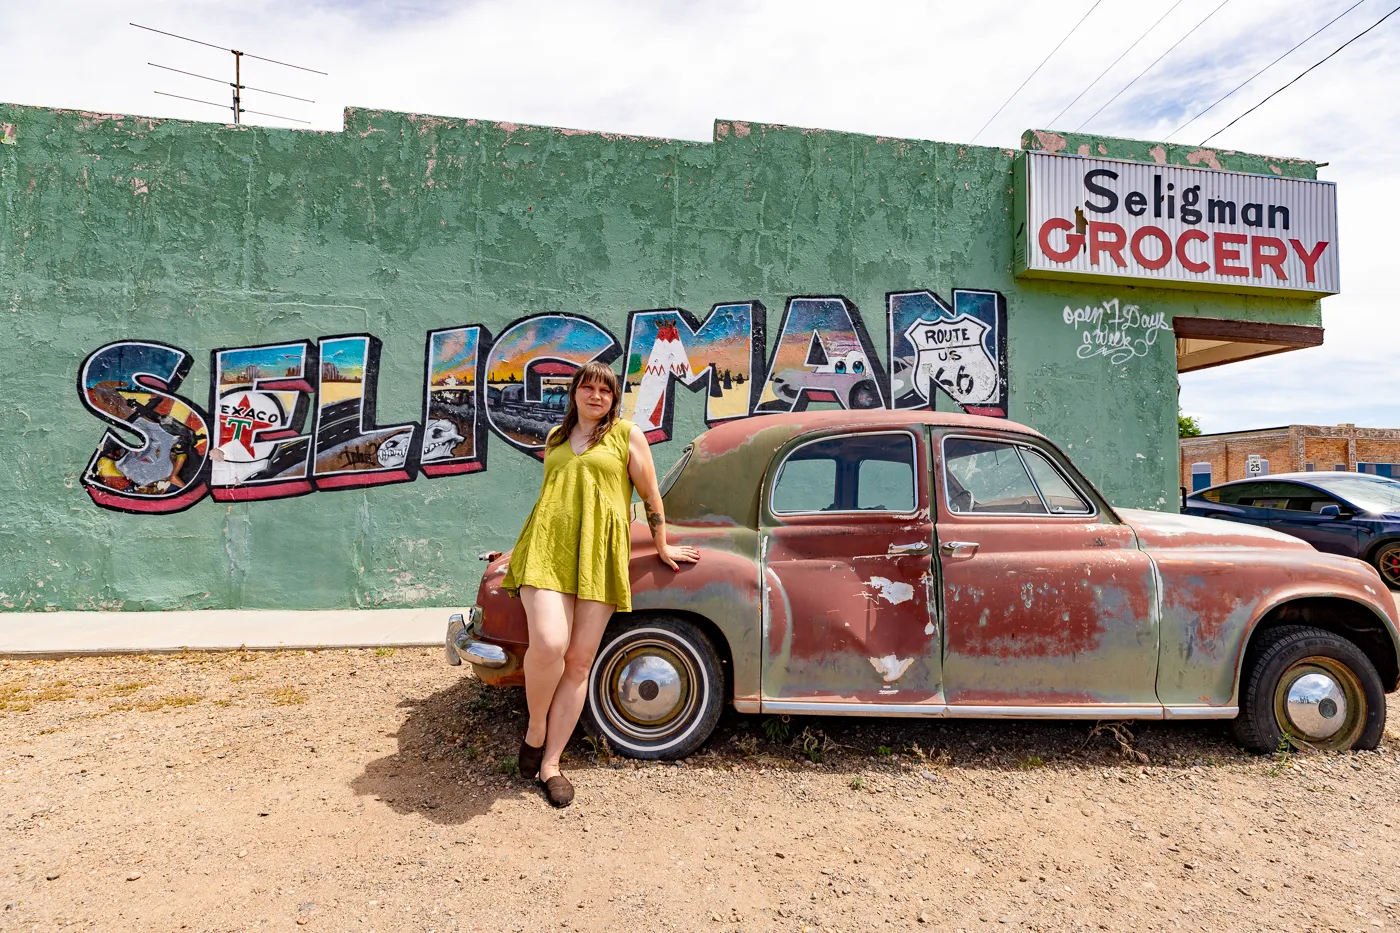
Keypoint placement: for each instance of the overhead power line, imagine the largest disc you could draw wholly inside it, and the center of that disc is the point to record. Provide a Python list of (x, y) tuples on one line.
[(1264, 69), (1153, 65), (1056, 119), (1037, 70), (1300, 76)]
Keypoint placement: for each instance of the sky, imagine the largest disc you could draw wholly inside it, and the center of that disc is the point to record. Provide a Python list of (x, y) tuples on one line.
[(926, 70)]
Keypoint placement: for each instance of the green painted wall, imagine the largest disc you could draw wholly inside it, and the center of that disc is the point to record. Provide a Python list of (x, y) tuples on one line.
[(203, 236)]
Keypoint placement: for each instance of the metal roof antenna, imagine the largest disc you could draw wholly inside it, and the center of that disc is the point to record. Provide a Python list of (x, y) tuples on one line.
[(237, 84)]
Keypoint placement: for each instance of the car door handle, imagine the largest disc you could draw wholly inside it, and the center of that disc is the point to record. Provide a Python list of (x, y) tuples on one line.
[(917, 547), (959, 548)]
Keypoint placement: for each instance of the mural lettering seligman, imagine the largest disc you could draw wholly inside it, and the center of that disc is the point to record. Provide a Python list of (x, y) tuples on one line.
[(287, 419)]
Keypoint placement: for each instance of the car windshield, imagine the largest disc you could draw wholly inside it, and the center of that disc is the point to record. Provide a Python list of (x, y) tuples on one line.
[(1373, 495), (669, 479)]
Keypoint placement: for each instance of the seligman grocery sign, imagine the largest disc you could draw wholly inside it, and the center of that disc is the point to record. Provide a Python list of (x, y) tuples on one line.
[(1103, 219)]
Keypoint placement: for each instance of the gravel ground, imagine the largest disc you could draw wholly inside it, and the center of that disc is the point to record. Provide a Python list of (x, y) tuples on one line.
[(371, 790)]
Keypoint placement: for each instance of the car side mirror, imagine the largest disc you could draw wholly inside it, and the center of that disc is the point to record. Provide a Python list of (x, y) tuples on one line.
[(1183, 498), (1331, 511)]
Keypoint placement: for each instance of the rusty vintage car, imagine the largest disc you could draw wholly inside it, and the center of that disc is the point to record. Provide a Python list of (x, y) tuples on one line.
[(880, 563)]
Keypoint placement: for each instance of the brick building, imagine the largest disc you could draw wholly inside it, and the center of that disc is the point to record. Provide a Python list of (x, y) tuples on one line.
[(1294, 448)]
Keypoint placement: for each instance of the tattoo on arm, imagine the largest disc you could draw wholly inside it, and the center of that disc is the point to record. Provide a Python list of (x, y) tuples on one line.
[(654, 520)]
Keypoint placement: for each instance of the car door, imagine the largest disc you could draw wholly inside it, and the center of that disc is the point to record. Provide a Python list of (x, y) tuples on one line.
[(1049, 605), (847, 618), (1296, 510)]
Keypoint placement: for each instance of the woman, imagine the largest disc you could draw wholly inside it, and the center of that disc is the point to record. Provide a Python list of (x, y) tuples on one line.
[(570, 564)]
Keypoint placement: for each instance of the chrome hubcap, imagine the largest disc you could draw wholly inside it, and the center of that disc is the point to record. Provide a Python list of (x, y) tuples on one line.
[(649, 688), (646, 690), (1317, 705)]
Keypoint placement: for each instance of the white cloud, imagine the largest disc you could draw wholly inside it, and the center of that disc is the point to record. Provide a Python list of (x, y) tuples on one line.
[(922, 70)]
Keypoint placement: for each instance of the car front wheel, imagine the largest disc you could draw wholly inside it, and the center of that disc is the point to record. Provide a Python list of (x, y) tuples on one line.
[(1310, 688), (656, 688)]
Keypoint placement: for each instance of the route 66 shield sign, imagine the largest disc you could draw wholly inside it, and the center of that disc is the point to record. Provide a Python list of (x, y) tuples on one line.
[(952, 354)]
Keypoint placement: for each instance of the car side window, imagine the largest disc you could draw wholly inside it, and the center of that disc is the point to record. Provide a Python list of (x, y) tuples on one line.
[(852, 473), (807, 484), (1242, 494), (885, 485), (1274, 495), (1292, 497), (988, 477), (1060, 497)]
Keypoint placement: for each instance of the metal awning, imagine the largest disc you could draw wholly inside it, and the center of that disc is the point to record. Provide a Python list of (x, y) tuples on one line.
[(1203, 342)]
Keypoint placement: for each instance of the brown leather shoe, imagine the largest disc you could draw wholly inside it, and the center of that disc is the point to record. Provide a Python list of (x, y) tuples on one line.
[(529, 759), (559, 791)]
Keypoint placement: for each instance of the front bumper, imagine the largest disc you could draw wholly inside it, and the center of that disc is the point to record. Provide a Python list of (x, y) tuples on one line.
[(464, 643)]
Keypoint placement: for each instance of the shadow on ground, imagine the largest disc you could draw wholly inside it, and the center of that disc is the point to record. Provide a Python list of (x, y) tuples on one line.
[(457, 747)]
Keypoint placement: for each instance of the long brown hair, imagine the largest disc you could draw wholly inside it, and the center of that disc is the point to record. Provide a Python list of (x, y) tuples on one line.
[(587, 374)]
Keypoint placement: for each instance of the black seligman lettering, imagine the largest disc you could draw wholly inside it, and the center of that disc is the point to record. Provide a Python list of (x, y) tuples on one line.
[(1109, 196), (1213, 206)]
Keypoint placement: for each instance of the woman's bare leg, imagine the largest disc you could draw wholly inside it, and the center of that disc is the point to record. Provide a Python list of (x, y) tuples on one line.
[(590, 618), (549, 617)]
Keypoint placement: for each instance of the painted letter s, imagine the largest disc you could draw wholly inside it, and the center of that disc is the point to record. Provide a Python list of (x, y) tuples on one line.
[(131, 385)]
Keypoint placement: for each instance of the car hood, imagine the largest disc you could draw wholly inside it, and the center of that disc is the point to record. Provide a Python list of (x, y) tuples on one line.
[(1170, 530)]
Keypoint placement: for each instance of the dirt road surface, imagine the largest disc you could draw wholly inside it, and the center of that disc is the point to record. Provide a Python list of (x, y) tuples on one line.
[(370, 790)]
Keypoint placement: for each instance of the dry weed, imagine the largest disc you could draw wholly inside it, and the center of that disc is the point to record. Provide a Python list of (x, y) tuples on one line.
[(286, 696), (1122, 735), (15, 697), (175, 700)]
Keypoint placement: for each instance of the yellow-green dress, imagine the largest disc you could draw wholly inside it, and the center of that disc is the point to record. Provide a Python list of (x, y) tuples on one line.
[(577, 537)]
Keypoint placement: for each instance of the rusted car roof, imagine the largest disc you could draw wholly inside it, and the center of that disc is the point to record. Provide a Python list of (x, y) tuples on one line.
[(721, 483)]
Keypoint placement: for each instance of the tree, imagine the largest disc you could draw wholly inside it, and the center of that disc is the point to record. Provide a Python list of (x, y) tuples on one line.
[(1187, 425)]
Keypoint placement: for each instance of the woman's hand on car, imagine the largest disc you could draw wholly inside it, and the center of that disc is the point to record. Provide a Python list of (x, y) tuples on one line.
[(670, 554)]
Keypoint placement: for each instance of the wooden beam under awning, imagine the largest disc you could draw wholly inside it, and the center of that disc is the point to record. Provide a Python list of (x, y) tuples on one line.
[(1203, 342)]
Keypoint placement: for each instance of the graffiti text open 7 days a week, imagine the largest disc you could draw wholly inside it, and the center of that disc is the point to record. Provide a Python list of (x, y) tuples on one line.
[(286, 419)]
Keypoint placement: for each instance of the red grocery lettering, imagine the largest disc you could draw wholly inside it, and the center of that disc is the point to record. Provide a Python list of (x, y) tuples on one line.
[(1164, 254), (1274, 260), (1309, 259), (1191, 236), (1074, 241), (1107, 238), (1225, 254)]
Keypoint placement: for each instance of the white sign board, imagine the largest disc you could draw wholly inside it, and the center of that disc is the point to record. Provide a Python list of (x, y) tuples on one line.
[(1182, 227), (1253, 465), (952, 353)]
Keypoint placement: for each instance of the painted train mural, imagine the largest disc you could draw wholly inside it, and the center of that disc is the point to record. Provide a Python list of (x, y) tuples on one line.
[(291, 418)]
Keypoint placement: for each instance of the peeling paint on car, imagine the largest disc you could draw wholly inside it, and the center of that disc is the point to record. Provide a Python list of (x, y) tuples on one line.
[(892, 591), (891, 668)]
